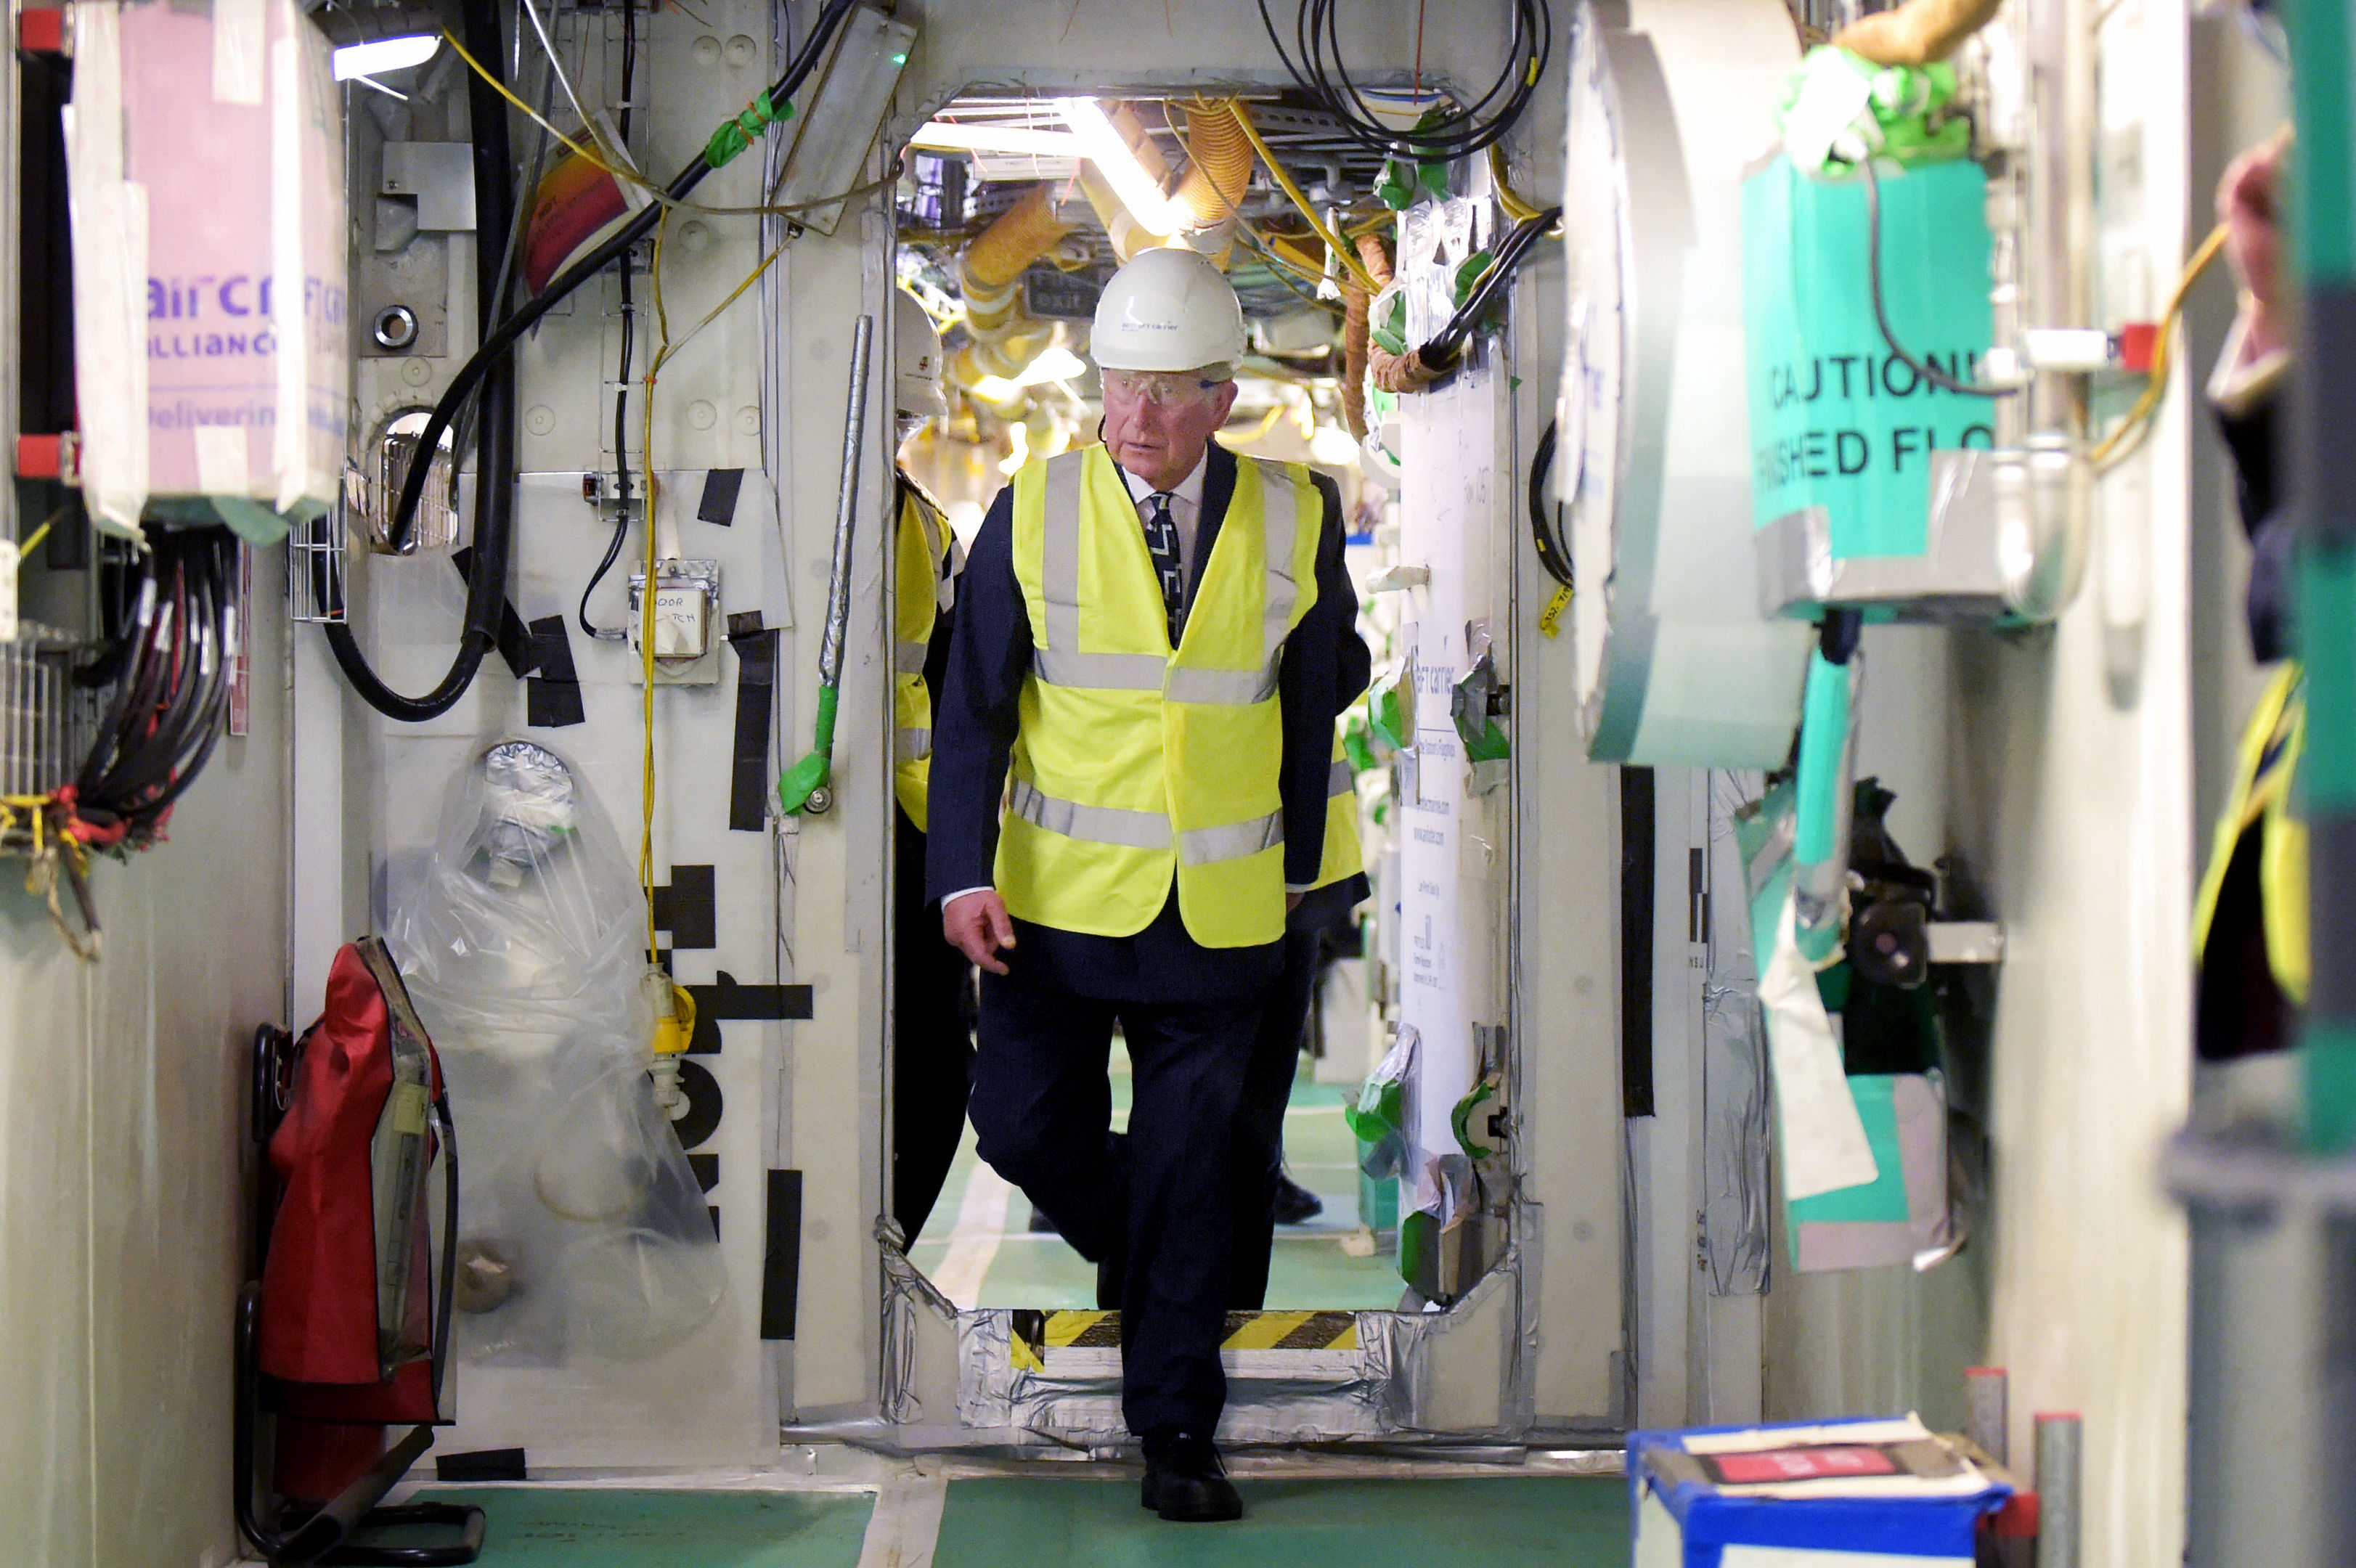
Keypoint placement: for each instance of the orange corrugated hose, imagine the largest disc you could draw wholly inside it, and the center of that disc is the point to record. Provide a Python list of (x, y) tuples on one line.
[(1005, 336), (1213, 190)]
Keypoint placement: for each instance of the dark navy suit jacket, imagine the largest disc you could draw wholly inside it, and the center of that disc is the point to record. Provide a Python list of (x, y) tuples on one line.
[(974, 726)]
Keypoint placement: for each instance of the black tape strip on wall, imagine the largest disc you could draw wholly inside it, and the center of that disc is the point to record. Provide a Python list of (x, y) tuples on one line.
[(1636, 917), (718, 504), (727, 1000), (687, 907), (552, 697), (757, 684), (483, 1464), (781, 1263)]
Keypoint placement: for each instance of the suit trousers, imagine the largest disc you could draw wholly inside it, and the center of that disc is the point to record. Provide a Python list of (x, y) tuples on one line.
[(1152, 1207), (1258, 1155), (932, 1040)]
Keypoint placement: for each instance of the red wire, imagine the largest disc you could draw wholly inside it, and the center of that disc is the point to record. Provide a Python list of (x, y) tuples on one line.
[(1418, 50)]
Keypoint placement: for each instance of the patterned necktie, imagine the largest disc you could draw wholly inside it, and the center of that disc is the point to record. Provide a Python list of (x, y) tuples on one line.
[(1162, 543)]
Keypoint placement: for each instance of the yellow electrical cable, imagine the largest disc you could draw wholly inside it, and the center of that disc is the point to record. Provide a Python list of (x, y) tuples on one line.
[(1342, 252), (1517, 207), (655, 192), (32, 542), (646, 590), (2114, 447)]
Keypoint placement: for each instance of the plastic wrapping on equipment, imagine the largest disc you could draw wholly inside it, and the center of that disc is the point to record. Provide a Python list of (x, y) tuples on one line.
[(585, 1241), (211, 352)]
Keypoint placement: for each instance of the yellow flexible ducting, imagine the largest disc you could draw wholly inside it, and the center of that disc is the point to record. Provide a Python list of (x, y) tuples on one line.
[(1005, 336), (1917, 33), (1213, 191)]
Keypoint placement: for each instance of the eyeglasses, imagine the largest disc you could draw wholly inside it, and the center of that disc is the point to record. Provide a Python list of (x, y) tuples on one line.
[(1162, 391)]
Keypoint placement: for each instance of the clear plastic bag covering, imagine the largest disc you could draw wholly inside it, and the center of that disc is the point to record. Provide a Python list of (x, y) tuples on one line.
[(583, 1237)]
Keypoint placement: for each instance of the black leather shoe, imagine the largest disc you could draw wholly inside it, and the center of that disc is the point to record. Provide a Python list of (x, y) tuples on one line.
[(1185, 1482), (1294, 1204), (1040, 1225)]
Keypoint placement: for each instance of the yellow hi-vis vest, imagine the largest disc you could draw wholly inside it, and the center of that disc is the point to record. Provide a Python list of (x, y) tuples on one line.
[(1343, 856), (1136, 762), (922, 588), (2263, 776)]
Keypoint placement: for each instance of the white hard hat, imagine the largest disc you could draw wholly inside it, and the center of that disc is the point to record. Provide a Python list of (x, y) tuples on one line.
[(919, 350), (1168, 309)]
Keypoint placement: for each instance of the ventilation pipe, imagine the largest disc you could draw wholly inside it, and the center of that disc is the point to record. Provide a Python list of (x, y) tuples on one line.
[(1213, 191), (1005, 336)]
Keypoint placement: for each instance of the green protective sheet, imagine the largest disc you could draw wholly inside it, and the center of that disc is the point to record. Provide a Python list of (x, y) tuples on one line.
[(1519, 1521), (555, 1527), (1883, 1199), (1836, 419)]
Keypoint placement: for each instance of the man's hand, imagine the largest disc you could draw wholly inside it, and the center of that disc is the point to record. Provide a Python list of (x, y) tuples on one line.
[(1291, 903), (978, 926), (2246, 207)]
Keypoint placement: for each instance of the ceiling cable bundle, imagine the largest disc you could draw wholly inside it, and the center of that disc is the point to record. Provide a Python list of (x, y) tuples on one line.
[(1314, 61)]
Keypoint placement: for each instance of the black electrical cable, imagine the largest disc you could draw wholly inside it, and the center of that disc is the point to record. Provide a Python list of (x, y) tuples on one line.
[(1314, 62), (1936, 377), (485, 375), (495, 456), (1442, 350), (1552, 553), (622, 378), (501, 340)]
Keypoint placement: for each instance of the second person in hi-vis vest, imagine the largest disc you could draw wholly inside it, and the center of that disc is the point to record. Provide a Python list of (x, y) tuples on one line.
[(1144, 677), (932, 1033)]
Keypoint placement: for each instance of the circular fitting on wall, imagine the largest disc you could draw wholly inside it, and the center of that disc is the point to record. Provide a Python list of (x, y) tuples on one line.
[(395, 327)]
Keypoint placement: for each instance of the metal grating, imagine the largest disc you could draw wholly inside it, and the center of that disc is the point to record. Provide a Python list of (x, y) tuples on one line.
[(45, 721)]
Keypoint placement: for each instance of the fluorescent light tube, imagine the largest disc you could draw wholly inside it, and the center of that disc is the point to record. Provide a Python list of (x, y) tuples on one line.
[(1156, 213), (384, 55), (943, 136)]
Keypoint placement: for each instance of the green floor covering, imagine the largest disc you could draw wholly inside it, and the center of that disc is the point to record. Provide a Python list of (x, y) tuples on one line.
[(1308, 1269), (1510, 1521), (1523, 1521), (550, 1527)]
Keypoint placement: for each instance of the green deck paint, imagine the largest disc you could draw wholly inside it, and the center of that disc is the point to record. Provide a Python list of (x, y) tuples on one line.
[(1519, 1521), (555, 1527)]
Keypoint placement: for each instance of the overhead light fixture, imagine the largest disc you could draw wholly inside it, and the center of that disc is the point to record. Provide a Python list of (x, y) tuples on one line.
[(385, 54), (1102, 143)]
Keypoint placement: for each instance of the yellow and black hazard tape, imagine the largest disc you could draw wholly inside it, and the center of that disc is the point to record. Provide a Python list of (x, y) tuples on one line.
[(1036, 1333)]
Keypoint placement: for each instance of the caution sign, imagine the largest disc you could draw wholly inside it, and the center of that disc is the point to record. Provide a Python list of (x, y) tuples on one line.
[(1839, 420)]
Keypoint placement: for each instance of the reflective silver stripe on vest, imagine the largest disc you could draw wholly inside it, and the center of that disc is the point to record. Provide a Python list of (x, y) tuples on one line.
[(1342, 780), (1281, 501), (911, 745), (1095, 824), (1240, 688), (908, 658), (1231, 841), (1061, 662)]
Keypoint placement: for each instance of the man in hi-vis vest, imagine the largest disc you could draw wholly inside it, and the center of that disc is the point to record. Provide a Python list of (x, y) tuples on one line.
[(1143, 676), (932, 1044)]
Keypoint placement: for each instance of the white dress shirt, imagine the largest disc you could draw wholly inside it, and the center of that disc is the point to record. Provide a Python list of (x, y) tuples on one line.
[(1186, 513)]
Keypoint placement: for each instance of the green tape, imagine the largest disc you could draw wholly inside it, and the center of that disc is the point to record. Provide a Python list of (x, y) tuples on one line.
[(822, 737), (2327, 638), (2323, 158), (2328, 1067), (1824, 736), (734, 135)]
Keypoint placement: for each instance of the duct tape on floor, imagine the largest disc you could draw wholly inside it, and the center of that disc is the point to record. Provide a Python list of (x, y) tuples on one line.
[(1291, 1376)]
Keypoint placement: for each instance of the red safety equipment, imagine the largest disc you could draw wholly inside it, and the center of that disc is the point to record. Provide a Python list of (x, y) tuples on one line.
[(347, 1332)]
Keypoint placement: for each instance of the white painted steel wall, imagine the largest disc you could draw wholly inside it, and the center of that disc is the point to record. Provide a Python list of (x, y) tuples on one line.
[(124, 1178)]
